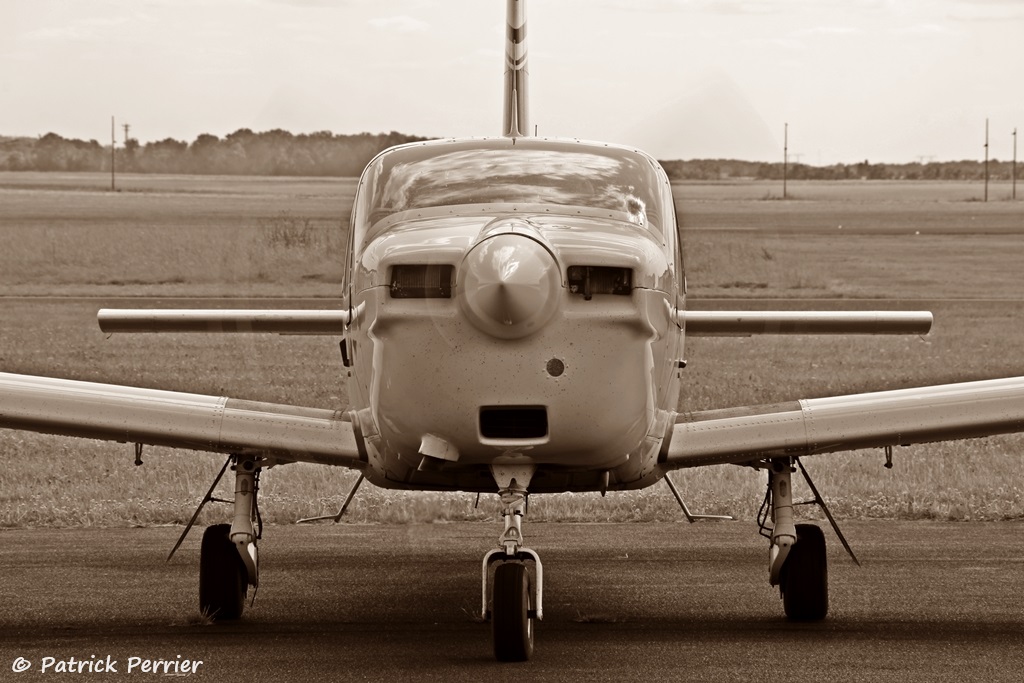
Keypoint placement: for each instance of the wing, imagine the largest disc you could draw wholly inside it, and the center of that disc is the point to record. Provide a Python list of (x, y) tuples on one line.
[(169, 418), (842, 423)]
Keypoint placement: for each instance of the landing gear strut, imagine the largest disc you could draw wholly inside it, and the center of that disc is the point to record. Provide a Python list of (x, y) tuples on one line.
[(514, 602), (797, 561), (228, 558)]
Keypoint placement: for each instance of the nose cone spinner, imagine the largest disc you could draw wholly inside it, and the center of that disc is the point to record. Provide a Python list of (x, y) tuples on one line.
[(508, 286)]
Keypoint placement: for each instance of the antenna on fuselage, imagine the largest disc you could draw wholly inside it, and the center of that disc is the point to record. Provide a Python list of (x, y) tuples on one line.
[(517, 120)]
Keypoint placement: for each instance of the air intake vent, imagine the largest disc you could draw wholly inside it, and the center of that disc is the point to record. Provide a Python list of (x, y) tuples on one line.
[(591, 280), (514, 422), (421, 281)]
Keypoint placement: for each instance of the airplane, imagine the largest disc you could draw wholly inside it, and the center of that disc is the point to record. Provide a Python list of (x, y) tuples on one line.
[(513, 322)]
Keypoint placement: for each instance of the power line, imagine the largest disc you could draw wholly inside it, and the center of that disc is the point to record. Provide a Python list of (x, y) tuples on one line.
[(986, 160), (785, 157), (113, 147)]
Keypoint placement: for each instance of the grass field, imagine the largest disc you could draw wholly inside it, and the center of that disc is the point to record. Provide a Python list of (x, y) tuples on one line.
[(166, 236)]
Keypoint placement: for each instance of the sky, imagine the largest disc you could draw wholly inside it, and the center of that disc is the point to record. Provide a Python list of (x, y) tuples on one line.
[(851, 80)]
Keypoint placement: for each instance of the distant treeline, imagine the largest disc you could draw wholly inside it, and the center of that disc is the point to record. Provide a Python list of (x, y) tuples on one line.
[(275, 152), (720, 169), (278, 152)]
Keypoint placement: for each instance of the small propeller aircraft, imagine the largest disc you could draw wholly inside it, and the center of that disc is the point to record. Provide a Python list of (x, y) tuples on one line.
[(513, 323)]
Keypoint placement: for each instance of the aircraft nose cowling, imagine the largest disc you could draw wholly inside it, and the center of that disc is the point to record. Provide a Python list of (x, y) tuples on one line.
[(508, 286)]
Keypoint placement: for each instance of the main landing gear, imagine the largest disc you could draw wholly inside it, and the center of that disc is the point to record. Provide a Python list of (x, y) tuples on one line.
[(228, 557), (514, 600), (797, 558)]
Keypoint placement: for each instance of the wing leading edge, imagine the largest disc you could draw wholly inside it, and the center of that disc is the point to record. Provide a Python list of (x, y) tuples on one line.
[(167, 418), (842, 423)]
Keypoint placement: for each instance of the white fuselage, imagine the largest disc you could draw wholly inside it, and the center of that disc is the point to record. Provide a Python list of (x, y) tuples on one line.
[(518, 356)]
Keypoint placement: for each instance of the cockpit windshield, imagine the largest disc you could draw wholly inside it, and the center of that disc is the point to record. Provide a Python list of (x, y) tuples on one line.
[(527, 172)]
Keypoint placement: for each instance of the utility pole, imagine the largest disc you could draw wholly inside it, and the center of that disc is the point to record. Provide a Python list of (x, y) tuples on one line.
[(785, 157), (112, 147), (1013, 171), (986, 160)]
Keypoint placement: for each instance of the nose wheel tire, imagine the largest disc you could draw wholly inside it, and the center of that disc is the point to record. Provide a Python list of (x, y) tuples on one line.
[(511, 613), (804, 579), (223, 579)]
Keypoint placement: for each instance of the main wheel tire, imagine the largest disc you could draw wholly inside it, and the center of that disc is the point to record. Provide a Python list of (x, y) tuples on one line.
[(804, 577), (511, 622), (223, 579)]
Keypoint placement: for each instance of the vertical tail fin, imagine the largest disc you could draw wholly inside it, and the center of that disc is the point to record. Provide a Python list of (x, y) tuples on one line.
[(517, 122)]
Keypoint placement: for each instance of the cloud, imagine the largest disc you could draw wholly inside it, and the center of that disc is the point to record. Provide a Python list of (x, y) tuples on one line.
[(316, 4), (829, 31), (922, 30), (709, 117), (399, 24), (988, 10), (85, 29), (709, 6), (740, 7)]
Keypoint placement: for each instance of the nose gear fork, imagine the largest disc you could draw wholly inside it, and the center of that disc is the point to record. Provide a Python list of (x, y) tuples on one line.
[(513, 507)]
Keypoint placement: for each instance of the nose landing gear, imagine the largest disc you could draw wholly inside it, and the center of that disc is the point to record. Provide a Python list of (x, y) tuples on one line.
[(514, 601)]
